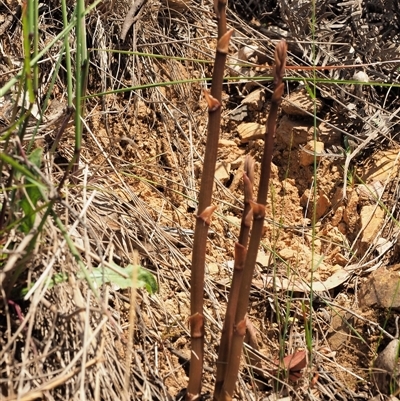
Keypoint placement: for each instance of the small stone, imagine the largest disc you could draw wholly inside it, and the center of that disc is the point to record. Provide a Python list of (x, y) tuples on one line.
[(329, 135), (294, 132), (371, 218), (255, 99), (323, 205), (382, 165), (234, 220), (238, 114), (263, 259), (287, 253), (213, 269), (306, 158), (299, 103), (222, 172), (226, 143), (380, 290), (340, 260), (251, 131)]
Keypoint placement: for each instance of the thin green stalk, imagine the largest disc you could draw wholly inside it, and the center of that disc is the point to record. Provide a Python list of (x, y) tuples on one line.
[(35, 30), (27, 52), (45, 102), (67, 53), (81, 65)]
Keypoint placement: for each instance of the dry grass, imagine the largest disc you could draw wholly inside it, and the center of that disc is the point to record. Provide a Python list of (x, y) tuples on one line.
[(137, 191)]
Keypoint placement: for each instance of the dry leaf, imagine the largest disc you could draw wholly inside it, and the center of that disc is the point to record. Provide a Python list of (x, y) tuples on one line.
[(293, 363)]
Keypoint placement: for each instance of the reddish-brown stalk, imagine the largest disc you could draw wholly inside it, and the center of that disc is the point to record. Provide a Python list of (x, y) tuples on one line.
[(240, 256), (205, 209), (239, 329)]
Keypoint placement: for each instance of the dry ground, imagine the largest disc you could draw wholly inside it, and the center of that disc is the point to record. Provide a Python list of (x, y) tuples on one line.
[(140, 169)]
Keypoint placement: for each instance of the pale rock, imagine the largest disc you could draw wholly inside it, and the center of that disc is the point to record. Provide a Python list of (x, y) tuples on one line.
[(371, 218), (213, 269), (262, 258), (287, 253), (251, 131), (236, 221), (235, 164), (255, 99), (299, 103), (370, 192), (222, 172), (226, 143), (293, 132), (306, 158), (322, 205), (381, 166)]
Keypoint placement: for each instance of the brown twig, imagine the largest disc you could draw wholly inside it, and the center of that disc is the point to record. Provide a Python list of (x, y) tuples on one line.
[(130, 17), (258, 207)]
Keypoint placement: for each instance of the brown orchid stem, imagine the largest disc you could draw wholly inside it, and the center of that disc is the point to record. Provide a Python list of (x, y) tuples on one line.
[(240, 256), (204, 209), (239, 329)]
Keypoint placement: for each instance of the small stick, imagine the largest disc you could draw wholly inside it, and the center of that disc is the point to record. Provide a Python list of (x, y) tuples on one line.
[(130, 18)]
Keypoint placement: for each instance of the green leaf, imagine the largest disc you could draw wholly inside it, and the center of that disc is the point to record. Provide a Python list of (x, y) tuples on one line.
[(310, 91), (147, 280), (57, 278), (36, 157), (130, 276), (33, 194)]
